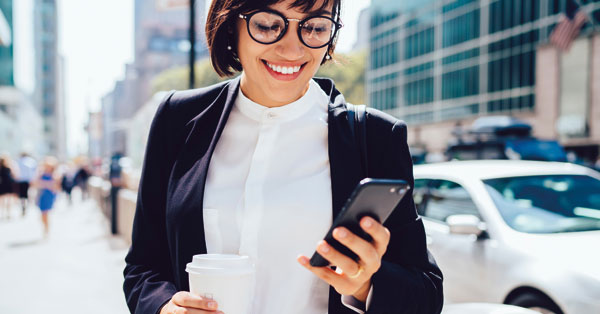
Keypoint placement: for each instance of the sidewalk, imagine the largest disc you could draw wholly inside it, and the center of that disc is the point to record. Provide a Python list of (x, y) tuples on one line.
[(77, 269)]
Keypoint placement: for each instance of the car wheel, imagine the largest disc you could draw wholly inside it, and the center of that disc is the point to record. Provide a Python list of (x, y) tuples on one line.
[(537, 302)]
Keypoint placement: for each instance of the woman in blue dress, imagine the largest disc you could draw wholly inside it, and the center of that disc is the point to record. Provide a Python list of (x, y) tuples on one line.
[(47, 185)]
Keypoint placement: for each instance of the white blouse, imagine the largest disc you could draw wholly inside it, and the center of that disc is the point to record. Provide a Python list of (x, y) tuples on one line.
[(268, 196)]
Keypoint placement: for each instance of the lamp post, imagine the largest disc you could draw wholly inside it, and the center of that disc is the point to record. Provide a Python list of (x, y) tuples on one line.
[(192, 41)]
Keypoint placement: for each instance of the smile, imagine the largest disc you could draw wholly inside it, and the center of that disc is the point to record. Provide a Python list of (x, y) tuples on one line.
[(284, 72), (284, 69)]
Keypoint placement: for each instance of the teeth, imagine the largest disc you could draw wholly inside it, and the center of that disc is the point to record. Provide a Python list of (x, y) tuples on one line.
[(284, 69)]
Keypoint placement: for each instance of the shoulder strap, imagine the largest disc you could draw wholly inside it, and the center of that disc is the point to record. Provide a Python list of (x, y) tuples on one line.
[(357, 118)]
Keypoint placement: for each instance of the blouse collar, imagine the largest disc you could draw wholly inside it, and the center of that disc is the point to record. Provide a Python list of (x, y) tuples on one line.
[(291, 111)]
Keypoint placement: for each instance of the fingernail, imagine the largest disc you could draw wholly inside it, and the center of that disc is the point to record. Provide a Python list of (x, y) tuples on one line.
[(324, 248), (367, 223), (212, 304), (341, 233)]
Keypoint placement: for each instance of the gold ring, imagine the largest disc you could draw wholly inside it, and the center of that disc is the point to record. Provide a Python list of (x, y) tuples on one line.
[(358, 272)]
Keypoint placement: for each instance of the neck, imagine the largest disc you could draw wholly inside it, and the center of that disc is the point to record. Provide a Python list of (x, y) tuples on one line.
[(256, 96)]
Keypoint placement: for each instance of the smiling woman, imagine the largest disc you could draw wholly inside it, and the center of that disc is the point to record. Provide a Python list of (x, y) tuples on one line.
[(258, 166)]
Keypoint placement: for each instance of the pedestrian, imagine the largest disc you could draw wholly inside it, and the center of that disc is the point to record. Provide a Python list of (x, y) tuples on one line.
[(27, 168), (115, 176), (48, 185), (67, 181), (7, 184), (81, 179), (258, 165)]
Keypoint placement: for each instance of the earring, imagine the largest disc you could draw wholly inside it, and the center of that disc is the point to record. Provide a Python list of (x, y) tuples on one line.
[(327, 57), (228, 47)]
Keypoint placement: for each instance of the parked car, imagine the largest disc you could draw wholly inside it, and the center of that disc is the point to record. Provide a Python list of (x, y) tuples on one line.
[(502, 137), (525, 233), (484, 308)]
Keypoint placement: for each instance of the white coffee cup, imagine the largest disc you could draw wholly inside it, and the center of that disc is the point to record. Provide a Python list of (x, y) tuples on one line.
[(225, 278)]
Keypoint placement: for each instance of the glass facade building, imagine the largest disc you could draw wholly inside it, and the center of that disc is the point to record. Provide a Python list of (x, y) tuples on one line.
[(440, 60), (6, 52)]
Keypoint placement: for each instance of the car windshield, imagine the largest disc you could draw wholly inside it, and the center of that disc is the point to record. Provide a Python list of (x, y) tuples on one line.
[(549, 203)]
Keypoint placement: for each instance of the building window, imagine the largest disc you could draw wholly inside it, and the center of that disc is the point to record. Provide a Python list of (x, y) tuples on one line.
[(461, 29), (460, 83)]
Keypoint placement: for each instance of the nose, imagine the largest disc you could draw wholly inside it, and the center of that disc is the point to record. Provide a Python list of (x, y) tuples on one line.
[(290, 47)]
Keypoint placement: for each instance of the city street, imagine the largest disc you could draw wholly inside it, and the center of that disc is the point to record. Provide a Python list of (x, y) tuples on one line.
[(76, 269)]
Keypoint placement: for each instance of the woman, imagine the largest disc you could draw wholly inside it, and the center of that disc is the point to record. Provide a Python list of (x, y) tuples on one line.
[(260, 164), (48, 185)]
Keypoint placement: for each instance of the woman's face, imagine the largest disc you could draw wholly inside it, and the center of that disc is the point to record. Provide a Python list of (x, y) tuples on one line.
[(266, 86)]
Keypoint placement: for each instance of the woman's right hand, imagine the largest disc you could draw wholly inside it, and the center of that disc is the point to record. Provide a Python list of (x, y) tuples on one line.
[(184, 302)]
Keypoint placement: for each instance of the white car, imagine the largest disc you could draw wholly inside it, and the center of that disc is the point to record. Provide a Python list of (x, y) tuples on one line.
[(484, 308), (516, 232)]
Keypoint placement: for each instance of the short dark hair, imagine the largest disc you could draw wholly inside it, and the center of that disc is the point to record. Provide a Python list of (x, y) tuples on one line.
[(221, 21)]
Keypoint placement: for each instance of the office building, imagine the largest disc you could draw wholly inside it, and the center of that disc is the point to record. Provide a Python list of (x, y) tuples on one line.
[(49, 79), (20, 123), (6, 46), (434, 63), (161, 30)]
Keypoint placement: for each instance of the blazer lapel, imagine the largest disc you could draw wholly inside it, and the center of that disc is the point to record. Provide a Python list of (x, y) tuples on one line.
[(191, 169), (344, 157)]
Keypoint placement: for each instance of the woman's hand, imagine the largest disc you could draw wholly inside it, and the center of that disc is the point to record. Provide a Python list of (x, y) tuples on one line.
[(355, 278), (184, 302)]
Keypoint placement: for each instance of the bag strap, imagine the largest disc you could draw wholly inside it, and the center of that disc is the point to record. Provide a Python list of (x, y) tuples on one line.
[(357, 118)]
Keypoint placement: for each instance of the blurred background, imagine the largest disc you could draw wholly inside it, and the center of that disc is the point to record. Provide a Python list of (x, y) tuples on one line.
[(81, 80)]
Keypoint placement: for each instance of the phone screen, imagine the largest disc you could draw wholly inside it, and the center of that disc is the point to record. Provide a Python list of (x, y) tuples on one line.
[(376, 198)]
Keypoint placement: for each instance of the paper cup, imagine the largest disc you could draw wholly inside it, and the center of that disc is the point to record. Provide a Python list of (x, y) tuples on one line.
[(225, 278)]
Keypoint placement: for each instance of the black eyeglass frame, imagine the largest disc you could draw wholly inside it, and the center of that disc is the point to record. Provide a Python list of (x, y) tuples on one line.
[(247, 17)]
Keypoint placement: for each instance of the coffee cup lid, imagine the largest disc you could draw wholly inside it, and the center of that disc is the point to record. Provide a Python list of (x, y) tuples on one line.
[(220, 263)]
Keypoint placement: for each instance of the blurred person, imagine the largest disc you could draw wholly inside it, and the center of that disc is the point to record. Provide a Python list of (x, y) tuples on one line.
[(81, 179), (27, 170), (276, 141), (115, 176), (48, 186), (7, 187), (67, 181)]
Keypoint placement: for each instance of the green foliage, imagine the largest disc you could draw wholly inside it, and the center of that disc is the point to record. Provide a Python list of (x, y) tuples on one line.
[(178, 78), (347, 71)]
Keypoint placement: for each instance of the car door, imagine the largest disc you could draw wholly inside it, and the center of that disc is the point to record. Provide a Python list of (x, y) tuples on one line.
[(461, 257)]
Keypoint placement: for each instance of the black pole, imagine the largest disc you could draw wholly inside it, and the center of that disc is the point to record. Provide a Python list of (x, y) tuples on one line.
[(192, 41)]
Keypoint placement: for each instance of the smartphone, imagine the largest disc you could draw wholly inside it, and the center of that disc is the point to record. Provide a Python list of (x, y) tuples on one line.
[(376, 198)]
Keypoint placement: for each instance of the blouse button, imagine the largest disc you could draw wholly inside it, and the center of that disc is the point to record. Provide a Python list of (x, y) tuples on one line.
[(271, 115)]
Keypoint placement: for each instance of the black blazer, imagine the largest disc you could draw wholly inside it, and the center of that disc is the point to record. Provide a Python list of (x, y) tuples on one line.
[(168, 227)]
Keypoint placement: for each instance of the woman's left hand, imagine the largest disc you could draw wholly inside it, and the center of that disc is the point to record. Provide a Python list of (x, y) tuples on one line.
[(355, 277)]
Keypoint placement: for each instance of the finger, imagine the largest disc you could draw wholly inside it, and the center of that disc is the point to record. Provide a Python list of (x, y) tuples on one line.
[(187, 310), (365, 250), (188, 300), (379, 233), (174, 309), (348, 265), (342, 284)]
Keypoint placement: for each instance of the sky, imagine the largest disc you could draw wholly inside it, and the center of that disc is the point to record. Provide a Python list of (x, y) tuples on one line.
[(96, 41)]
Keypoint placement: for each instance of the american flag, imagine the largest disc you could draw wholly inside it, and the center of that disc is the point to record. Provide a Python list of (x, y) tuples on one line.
[(569, 26)]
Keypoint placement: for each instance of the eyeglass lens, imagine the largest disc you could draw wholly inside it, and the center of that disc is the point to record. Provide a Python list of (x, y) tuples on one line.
[(267, 28)]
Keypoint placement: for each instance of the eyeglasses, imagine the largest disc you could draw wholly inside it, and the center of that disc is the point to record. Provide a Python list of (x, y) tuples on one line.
[(268, 27)]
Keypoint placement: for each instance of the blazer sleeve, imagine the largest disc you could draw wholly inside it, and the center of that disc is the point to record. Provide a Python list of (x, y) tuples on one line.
[(148, 276), (409, 281)]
